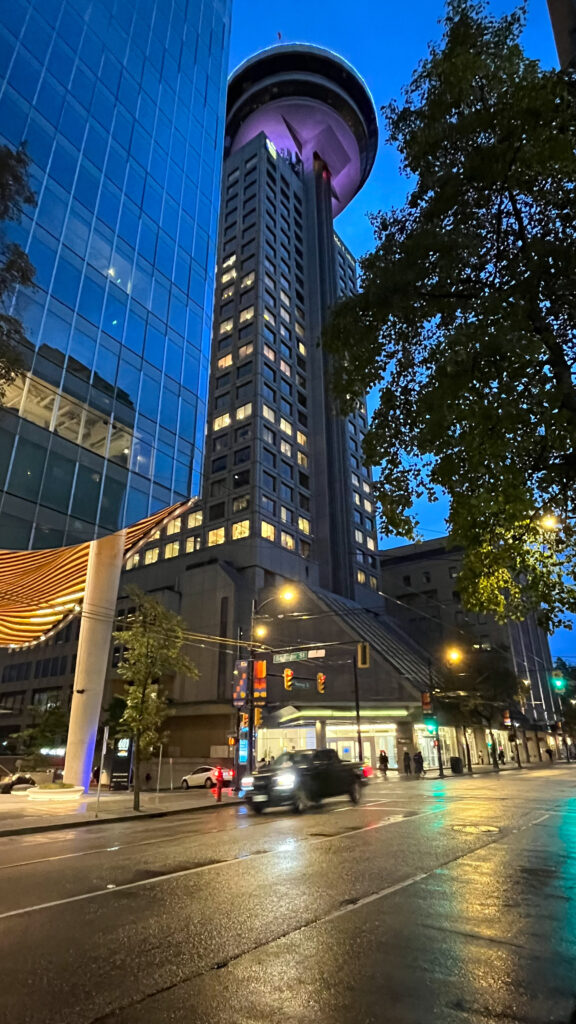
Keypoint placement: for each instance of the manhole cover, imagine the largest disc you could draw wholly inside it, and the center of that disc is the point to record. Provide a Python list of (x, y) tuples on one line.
[(475, 828)]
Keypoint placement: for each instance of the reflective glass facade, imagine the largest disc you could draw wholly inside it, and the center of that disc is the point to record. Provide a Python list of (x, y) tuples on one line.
[(121, 106)]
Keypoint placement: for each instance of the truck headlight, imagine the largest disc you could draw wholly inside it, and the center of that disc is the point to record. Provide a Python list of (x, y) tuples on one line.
[(248, 782), (286, 780)]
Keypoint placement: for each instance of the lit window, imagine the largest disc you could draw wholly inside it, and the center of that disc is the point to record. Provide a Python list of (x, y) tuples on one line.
[(286, 514), (268, 413), (269, 316), (285, 367), (271, 148), (285, 447), (216, 536), (303, 460), (371, 543), (285, 298), (245, 350), (247, 314), (361, 576), (248, 279), (303, 524), (174, 526), (286, 427), (268, 435), (358, 536), (172, 549), (194, 519), (244, 411), (268, 531), (356, 479), (365, 487), (300, 332), (373, 582), (225, 361), (367, 505), (302, 348), (221, 421), (240, 530), (227, 293), (285, 314), (241, 503), (192, 544), (356, 498), (151, 556), (229, 261), (304, 548), (269, 353), (133, 561), (230, 275), (226, 326), (302, 439), (287, 541)]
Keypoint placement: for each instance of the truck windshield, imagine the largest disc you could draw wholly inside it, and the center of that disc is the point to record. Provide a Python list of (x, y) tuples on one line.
[(292, 757)]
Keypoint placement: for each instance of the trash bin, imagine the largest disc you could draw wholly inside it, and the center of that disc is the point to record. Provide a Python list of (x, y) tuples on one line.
[(456, 766)]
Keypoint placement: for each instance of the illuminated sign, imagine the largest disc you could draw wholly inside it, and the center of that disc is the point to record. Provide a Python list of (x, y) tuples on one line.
[(271, 149)]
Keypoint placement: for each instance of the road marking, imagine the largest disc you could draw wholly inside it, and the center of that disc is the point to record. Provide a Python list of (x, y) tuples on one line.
[(202, 867)]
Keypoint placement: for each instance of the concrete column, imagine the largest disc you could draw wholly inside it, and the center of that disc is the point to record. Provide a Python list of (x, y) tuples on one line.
[(98, 612), (320, 729), (404, 742)]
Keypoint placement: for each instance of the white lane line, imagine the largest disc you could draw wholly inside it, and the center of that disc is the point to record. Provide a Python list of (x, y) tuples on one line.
[(189, 871), (538, 820)]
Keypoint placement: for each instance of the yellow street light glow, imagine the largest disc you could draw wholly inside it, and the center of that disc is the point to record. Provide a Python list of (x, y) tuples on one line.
[(260, 631), (454, 655), (549, 522), (288, 594)]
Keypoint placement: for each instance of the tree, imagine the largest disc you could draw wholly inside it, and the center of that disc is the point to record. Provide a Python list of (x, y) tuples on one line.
[(568, 698), (481, 692), (15, 267), (466, 323), (152, 642), (49, 729)]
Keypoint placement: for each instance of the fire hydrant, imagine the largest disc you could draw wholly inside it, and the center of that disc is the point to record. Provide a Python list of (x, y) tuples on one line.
[(219, 784)]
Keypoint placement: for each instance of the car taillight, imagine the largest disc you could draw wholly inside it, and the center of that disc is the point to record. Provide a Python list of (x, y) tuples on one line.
[(367, 771)]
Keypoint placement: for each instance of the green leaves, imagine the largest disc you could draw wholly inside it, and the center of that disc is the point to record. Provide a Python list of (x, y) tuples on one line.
[(466, 324)]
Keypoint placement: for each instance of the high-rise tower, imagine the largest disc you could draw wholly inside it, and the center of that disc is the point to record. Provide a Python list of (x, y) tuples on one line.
[(121, 107), (284, 479)]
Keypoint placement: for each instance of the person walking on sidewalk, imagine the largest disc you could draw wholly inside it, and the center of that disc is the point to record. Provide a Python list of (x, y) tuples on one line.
[(407, 763), (383, 762), (501, 756), (418, 764)]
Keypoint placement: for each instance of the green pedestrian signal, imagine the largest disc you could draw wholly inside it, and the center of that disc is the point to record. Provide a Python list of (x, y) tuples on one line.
[(431, 725)]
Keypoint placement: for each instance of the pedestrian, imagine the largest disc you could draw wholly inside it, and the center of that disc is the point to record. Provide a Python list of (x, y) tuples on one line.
[(407, 763), (383, 762), (261, 763), (548, 751), (481, 757), (96, 774), (501, 757), (147, 779), (418, 764)]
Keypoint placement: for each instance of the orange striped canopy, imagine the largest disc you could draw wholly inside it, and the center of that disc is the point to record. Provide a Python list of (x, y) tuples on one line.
[(40, 591)]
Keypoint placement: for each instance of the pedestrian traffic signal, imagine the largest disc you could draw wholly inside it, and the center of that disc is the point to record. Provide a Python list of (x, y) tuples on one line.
[(558, 681), (431, 726), (257, 717), (243, 721), (426, 698), (288, 677), (321, 682)]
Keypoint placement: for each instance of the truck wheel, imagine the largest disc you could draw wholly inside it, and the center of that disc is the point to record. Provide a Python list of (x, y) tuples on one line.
[(256, 808), (355, 793)]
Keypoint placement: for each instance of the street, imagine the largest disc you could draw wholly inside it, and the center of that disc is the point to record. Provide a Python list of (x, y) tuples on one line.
[(432, 901)]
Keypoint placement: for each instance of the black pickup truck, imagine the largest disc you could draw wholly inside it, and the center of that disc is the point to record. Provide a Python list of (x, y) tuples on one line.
[(300, 778)]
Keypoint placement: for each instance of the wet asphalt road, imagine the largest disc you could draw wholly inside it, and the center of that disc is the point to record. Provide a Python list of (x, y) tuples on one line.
[(432, 902)]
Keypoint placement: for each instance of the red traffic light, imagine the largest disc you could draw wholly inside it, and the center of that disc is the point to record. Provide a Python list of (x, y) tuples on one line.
[(288, 677), (321, 682)]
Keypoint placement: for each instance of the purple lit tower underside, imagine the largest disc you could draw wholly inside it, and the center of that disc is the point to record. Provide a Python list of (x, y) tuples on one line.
[(307, 101)]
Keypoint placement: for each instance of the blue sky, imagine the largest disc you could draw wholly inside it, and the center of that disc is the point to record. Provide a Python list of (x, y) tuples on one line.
[(384, 41)]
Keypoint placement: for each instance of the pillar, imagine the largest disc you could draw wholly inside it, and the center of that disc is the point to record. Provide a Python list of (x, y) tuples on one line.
[(404, 742), (320, 730), (98, 613)]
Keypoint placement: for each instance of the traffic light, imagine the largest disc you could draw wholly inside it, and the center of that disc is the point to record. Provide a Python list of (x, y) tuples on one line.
[(257, 717), (363, 656), (288, 677), (431, 726), (558, 681), (321, 682), (243, 721)]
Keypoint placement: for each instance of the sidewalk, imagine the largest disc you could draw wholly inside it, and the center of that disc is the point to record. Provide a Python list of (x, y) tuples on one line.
[(18, 816), (488, 769)]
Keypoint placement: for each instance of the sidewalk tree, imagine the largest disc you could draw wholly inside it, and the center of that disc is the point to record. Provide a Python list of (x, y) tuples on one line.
[(152, 640), (15, 267), (466, 322), (568, 698), (48, 730)]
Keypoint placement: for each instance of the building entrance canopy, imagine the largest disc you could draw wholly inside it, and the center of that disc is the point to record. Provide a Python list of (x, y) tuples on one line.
[(40, 591)]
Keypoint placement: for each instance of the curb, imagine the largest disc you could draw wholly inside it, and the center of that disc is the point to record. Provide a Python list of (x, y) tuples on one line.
[(60, 826)]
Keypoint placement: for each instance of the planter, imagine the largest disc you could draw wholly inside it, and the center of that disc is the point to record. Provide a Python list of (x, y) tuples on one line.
[(56, 797)]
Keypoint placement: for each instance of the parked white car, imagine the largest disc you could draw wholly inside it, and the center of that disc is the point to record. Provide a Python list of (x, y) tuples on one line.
[(206, 775)]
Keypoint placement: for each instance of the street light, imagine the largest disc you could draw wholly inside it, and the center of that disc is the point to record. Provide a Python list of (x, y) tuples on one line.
[(549, 522), (259, 630), (454, 655)]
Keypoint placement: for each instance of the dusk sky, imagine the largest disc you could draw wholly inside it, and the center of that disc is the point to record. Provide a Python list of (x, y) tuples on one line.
[(384, 41)]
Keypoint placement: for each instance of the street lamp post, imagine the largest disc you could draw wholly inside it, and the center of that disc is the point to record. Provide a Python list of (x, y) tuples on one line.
[(438, 747)]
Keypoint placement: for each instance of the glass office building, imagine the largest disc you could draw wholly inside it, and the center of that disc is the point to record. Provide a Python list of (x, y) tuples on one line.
[(121, 106)]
